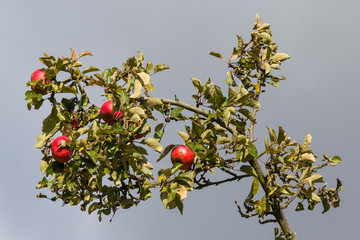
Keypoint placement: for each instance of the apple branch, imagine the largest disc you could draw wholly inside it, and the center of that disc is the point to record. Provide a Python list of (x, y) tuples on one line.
[(194, 109), (278, 210)]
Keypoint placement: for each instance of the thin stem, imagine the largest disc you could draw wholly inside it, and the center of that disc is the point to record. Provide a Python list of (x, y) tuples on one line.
[(235, 178), (286, 204), (189, 107)]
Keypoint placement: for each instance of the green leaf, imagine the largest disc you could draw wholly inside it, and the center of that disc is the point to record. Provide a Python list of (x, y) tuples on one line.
[(315, 197), (281, 135), (336, 159), (232, 94), (145, 169), (325, 204), (93, 207), (272, 135), (149, 67), (101, 78), (159, 131), (90, 164), (154, 144), (75, 200), (45, 162), (254, 190), (252, 150), (216, 54), (90, 69), (160, 67), (299, 207), (197, 84), (166, 151), (127, 203), (51, 125), (264, 26), (95, 157), (222, 140), (249, 170), (248, 100), (84, 100), (248, 114), (176, 111), (179, 205)]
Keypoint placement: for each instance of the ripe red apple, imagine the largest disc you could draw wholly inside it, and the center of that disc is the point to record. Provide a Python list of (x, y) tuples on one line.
[(39, 75), (59, 152), (184, 155), (107, 113)]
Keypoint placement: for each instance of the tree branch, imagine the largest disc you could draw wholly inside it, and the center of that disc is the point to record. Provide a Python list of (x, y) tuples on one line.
[(194, 109), (235, 178), (189, 107)]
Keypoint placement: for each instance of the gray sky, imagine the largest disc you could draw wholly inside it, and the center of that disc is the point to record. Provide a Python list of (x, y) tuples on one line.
[(320, 96)]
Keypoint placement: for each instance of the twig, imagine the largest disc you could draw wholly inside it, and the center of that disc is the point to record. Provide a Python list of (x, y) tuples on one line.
[(194, 109), (286, 204), (200, 186), (267, 221), (244, 214)]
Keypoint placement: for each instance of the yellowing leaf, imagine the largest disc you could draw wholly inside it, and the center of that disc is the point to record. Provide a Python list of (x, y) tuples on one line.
[(314, 178), (280, 57), (265, 37), (222, 140), (137, 110), (183, 135), (181, 191), (308, 157), (266, 67), (306, 144), (154, 144), (153, 101), (138, 88)]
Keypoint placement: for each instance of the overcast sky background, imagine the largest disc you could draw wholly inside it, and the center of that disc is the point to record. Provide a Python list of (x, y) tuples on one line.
[(320, 96)]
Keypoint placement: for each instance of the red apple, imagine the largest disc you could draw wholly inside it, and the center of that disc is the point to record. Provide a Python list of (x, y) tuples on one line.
[(107, 113), (184, 155), (59, 151), (39, 75)]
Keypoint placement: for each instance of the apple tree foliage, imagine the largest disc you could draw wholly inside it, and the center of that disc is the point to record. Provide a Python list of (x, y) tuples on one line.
[(110, 169)]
